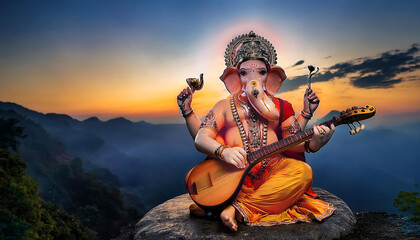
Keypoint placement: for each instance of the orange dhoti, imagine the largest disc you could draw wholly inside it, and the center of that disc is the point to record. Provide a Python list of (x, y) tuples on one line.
[(278, 197)]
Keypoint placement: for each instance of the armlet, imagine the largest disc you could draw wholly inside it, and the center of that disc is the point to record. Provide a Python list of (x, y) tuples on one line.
[(294, 128), (210, 121)]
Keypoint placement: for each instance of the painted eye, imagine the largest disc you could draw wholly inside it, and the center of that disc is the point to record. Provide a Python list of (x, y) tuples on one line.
[(263, 72), (243, 73)]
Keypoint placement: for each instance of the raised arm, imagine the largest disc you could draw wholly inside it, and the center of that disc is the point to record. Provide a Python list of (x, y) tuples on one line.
[(292, 125), (310, 104), (184, 101)]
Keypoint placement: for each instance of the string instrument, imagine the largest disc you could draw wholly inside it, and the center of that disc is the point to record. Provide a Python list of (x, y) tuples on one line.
[(214, 184)]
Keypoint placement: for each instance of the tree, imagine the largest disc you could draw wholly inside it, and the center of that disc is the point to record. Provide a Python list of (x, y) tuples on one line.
[(409, 202), (9, 133), (24, 215)]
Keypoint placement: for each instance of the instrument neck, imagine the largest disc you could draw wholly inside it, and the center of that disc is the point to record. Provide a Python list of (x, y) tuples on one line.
[(283, 144)]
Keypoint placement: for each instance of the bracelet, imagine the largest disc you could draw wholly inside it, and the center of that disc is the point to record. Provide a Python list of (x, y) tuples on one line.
[(307, 148), (306, 114), (218, 152), (187, 113)]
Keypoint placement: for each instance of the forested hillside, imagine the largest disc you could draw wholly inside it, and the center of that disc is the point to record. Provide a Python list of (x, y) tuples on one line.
[(68, 196)]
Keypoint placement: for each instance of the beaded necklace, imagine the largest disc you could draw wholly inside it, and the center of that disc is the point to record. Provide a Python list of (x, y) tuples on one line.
[(256, 139)]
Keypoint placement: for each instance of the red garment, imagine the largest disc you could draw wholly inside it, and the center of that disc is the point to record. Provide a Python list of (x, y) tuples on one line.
[(287, 108)]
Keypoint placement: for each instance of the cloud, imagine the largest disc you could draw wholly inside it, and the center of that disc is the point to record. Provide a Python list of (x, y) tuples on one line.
[(372, 72), (300, 62)]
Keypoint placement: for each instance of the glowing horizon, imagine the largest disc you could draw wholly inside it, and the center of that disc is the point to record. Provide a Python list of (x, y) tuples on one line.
[(131, 59)]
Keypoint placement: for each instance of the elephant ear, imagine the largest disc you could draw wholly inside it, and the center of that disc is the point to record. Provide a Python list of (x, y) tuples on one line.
[(230, 78), (274, 80)]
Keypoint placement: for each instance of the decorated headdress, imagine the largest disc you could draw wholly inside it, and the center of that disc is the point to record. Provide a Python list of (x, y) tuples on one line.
[(249, 46)]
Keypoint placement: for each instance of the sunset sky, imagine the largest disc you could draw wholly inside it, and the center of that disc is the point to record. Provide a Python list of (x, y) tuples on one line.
[(131, 58)]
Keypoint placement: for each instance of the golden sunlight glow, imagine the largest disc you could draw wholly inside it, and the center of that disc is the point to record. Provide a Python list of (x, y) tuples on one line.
[(339, 95), (127, 82), (125, 93)]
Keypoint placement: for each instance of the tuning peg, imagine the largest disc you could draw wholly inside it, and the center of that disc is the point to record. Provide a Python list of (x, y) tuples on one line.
[(352, 132), (357, 130), (362, 126)]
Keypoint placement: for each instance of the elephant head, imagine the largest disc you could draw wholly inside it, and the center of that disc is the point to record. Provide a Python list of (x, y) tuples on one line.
[(257, 82)]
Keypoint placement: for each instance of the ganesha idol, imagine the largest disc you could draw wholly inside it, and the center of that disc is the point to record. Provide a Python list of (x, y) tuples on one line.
[(277, 189)]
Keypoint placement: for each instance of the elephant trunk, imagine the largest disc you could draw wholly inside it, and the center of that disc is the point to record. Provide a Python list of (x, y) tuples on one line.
[(260, 101)]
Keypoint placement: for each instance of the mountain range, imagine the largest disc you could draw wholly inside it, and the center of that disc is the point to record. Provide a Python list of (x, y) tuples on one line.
[(151, 161), (366, 170)]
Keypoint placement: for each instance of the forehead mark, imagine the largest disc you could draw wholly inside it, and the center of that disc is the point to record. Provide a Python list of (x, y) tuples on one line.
[(253, 64)]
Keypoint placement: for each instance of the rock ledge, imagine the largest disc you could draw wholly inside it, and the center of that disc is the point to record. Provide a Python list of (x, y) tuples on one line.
[(171, 220)]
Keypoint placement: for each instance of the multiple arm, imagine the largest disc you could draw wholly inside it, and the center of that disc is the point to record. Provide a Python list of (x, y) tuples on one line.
[(205, 136)]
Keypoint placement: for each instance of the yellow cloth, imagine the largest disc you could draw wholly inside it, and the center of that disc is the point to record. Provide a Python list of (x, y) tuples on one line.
[(278, 198)]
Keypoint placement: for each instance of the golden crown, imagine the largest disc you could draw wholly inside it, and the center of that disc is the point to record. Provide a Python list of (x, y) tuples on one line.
[(249, 46)]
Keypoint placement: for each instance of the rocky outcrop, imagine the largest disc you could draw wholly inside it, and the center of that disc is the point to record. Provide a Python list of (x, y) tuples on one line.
[(171, 220), (381, 225)]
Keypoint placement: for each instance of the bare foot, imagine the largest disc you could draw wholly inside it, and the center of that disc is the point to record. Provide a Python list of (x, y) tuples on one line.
[(228, 218)]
